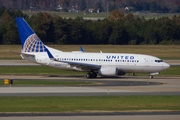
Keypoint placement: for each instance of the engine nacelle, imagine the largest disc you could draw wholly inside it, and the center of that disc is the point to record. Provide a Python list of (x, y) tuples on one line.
[(108, 71)]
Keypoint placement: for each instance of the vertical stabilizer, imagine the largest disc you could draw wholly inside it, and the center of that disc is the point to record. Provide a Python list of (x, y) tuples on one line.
[(29, 40)]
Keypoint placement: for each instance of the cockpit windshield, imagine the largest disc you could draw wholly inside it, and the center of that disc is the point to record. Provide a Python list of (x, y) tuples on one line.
[(158, 61)]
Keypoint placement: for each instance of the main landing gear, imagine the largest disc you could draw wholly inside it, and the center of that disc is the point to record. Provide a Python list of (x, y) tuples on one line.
[(91, 75)]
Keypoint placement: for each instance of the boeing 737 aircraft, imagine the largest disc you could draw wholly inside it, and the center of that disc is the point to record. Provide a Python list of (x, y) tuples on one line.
[(102, 64)]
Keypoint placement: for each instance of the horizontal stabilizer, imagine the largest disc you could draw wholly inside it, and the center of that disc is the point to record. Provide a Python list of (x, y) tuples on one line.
[(27, 54)]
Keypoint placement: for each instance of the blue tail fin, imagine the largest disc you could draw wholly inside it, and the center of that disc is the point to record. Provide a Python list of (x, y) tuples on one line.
[(29, 40)]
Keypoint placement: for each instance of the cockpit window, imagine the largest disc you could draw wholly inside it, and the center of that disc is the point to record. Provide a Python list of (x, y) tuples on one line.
[(158, 61)]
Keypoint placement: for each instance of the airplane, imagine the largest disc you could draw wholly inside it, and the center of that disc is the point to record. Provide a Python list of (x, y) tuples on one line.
[(102, 64)]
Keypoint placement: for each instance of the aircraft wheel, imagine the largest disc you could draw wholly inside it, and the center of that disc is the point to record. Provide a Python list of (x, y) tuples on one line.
[(151, 77), (94, 75), (88, 75)]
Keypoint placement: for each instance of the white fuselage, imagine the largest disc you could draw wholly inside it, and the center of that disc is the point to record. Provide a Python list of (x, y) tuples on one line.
[(122, 61), (103, 64)]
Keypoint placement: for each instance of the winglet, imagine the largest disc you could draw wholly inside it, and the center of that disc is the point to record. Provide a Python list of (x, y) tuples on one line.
[(81, 49)]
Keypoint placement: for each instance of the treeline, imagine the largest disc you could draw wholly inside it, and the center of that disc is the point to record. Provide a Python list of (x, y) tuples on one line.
[(102, 5), (116, 29)]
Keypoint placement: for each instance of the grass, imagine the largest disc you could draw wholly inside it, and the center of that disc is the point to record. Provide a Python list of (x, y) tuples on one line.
[(8, 55), (170, 52), (80, 104), (100, 15), (172, 71), (156, 15), (71, 15)]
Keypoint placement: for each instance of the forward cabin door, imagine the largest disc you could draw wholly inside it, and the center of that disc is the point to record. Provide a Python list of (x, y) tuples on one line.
[(146, 60)]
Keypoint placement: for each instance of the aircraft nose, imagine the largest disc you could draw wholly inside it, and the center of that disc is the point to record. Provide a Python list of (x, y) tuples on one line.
[(166, 66)]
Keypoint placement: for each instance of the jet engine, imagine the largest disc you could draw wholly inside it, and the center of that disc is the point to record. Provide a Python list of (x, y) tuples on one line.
[(108, 71)]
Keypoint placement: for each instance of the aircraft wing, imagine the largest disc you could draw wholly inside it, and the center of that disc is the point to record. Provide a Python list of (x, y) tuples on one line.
[(82, 66)]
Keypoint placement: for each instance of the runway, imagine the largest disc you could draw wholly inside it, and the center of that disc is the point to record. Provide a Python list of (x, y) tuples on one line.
[(164, 86)]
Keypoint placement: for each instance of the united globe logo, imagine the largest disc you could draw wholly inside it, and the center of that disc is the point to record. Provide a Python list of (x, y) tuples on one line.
[(33, 44)]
